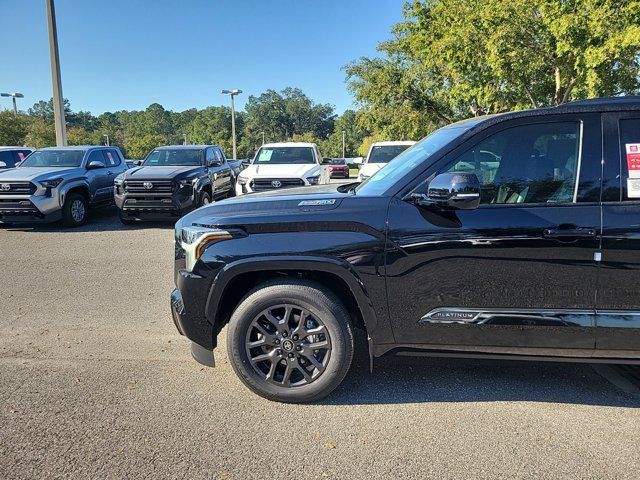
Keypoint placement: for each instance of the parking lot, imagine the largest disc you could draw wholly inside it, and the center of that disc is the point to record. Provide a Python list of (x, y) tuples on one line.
[(95, 382)]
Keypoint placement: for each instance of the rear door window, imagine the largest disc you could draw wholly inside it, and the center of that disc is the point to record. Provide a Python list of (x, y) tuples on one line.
[(112, 158), (629, 129), (7, 158)]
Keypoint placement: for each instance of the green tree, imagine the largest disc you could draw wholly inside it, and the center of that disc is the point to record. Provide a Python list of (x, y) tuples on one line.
[(44, 110), (40, 133), (458, 58), (139, 146), (211, 126), (354, 135), (80, 136), (13, 128)]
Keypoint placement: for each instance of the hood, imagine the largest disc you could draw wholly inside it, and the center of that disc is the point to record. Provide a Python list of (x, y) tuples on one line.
[(281, 171), (29, 174), (264, 207), (369, 169), (159, 173)]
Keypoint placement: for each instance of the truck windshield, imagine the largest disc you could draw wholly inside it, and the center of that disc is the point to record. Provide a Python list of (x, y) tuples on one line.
[(385, 153), (284, 155), (411, 159), (174, 158), (54, 158)]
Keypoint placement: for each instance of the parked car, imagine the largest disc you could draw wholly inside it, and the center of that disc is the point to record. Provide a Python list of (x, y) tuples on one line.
[(172, 181), (338, 168), (10, 156), (512, 236), (283, 165), (59, 183), (381, 153)]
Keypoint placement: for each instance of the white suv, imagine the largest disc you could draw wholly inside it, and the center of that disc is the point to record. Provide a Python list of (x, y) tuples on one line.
[(283, 165), (379, 155)]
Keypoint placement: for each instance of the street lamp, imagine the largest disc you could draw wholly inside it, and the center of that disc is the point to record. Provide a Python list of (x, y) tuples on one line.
[(58, 107), (344, 132), (14, 95), (262, 133), (107, 137), (233, 93), (184, 138)]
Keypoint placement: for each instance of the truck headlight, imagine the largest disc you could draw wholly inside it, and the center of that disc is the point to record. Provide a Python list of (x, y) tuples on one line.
[(53, 183), (194, 239), (242, 180), (313, 180), (118, 180)]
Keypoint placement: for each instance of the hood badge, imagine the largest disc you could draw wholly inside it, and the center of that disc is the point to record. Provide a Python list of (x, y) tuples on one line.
[(5, 187), (147, 185), (315, 203), (276, 183)]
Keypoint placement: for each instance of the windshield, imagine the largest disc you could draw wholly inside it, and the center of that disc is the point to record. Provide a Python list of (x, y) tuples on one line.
[(338, 161), (54, 158), (388, 175), (174, 158), (284, 155), (385, 153)]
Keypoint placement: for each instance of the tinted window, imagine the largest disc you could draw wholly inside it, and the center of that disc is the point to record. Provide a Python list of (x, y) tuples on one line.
[(338, 161), (96, 156), (20, 155), (209, 155), (173, 158), (630, 155), (7, 158), (284, 155), (112, 158), (54, 158), (385, 153), (526, 164)]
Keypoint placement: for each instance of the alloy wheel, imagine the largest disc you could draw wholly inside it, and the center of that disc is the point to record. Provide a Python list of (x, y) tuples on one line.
[(78, 210), (288, 346)]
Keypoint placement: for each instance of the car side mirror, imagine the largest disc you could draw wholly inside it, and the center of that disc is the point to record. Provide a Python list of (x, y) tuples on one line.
[(459, 191), (3, 165), (137, 163), (95, 164), (326, 161), (214, 162)]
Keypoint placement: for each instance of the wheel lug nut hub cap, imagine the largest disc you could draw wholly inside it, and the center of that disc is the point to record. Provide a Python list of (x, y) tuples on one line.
[(288, 345)]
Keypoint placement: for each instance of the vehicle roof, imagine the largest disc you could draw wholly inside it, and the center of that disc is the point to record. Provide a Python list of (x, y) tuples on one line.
[(7, 147), (289, 144), (77, 147), (185, 147), (393, 142)]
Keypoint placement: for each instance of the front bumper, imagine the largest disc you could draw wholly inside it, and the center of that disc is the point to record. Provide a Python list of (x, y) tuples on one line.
[(30, 208), (201, 354), (264, 184), (153, 206)]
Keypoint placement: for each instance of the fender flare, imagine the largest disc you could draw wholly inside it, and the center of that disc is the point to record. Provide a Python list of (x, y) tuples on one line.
[(334, 266), (68, 186), (203, 182)]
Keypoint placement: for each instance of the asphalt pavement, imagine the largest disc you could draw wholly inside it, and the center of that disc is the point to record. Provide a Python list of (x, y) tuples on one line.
[(95, 382)]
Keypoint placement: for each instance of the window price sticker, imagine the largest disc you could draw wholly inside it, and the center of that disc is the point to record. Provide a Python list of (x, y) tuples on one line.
[(633, 159), (633, 187)]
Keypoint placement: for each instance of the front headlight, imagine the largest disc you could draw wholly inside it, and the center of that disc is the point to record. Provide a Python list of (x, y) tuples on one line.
[(187, 182), (53, 183), (313, 180), (118, 180), (242, 180), (194, 240)]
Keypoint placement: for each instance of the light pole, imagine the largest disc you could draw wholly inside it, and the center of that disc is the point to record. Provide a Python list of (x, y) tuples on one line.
[(107, 137), (233, 93), (14, 95), (184, 138), (262, 133), (58, 107), (344, 132)]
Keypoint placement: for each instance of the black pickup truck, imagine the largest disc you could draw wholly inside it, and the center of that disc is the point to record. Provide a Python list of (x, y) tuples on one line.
[(514, 236), (174, 180)]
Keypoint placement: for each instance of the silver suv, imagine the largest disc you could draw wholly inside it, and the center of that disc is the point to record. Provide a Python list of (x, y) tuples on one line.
[(59, 183)]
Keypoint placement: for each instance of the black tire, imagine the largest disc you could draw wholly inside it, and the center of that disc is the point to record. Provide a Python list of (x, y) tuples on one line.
[(126, 221), (323, 308), (75, 210), (205, 199)]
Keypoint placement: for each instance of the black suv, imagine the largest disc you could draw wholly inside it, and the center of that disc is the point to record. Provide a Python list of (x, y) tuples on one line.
[(172, 181), (514, 236)]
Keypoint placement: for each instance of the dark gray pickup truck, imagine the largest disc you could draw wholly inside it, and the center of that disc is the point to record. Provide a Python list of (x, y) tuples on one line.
[(174, 180)]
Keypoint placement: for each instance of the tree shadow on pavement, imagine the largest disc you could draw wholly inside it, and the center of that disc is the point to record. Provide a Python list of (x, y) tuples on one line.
[(398, 380)]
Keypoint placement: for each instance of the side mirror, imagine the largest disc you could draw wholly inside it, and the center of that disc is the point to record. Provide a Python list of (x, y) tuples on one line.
[(137, 163), (3, 165), (452, 191), (326, 161), (95, 165), (214, 162), (358, 160)]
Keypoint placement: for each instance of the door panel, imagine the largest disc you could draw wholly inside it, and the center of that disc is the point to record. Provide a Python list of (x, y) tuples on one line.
[(618, 300), (519, 271)]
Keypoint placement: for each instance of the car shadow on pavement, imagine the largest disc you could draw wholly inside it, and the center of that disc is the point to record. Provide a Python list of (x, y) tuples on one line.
[(397, 379), (100, 220)]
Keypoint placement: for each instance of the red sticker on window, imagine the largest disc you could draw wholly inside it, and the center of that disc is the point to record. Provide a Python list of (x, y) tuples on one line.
[(633, 159), (21, 156), (110, 156)]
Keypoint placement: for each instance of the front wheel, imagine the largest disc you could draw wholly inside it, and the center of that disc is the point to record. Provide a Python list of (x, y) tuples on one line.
[(205, 199), (75, 210), (290, 341)]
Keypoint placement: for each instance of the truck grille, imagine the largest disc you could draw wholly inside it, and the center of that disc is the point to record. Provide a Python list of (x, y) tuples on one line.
[(148, 186), (17, 188), (17, 207), (260, 184)]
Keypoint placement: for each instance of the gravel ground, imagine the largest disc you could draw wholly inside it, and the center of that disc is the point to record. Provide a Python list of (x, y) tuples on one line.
[(95, 382)]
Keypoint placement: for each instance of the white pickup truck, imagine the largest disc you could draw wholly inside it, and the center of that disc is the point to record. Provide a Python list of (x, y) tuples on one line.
[(380, 154), (283, 165)]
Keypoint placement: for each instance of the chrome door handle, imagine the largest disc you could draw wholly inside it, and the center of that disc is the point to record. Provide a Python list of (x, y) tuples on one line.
[(569, 233)]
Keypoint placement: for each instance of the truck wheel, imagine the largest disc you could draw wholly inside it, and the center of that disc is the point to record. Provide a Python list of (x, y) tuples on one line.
[(75, 210), (290, 341), (205, 199)]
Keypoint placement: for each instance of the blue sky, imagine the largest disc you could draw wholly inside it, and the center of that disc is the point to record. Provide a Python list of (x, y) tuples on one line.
[(126, 54)]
